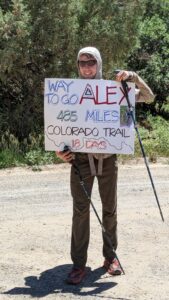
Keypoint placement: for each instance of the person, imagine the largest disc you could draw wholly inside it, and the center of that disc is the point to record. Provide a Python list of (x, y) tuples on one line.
[(105, 168)]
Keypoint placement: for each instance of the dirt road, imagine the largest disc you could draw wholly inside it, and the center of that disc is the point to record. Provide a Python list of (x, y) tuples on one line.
[(35, 227)]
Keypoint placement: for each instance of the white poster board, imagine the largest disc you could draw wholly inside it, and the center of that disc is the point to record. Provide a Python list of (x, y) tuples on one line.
[(88, 116)]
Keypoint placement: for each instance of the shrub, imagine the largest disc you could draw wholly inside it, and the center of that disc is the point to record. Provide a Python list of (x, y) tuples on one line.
[(155, 140), (10, 159)]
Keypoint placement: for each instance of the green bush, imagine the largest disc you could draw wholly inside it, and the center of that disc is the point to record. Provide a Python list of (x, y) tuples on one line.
[(155, 140), (10, 159), (31, 151), (39, 157)]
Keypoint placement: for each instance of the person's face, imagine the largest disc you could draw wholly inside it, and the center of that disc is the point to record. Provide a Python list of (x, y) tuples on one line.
[(87, 66)]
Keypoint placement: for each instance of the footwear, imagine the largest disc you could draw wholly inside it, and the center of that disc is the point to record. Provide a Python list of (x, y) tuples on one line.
[(112, 267), (76, 275)]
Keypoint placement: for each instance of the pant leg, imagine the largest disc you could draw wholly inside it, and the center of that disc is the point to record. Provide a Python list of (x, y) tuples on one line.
[(81, 211), (108, 192)]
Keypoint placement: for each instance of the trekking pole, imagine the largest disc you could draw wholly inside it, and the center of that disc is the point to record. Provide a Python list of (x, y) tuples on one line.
[(125, 89), (77, 170)]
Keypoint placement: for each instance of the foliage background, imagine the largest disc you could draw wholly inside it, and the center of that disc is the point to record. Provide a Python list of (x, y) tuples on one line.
[(41, 39)]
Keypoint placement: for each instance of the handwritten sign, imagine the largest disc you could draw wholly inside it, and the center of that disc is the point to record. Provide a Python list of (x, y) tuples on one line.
[(88, 116)]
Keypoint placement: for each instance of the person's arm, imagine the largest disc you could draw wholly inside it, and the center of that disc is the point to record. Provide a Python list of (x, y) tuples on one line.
[(143, 91)]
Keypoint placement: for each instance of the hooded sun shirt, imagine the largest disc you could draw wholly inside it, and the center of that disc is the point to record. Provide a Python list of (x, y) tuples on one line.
[(100, 156)]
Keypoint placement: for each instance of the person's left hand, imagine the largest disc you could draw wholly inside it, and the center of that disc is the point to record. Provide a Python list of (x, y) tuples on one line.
[(122, 75)]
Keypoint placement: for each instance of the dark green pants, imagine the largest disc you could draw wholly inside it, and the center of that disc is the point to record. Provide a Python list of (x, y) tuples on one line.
[(107, 183)]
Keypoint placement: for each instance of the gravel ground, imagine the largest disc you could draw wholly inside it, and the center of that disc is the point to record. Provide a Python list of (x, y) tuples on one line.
[(35, 228)]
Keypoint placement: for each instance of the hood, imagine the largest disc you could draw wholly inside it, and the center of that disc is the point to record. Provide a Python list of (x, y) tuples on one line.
[(96, 54)]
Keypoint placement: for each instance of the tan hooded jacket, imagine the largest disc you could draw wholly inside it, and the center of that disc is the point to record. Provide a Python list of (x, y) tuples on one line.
[(143, 94)]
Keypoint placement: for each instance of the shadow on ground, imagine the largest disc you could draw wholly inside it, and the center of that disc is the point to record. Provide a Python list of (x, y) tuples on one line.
[(52, 281)]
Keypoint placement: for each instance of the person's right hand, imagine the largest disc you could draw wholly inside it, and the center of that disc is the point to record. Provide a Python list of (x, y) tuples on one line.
[(66, 156)]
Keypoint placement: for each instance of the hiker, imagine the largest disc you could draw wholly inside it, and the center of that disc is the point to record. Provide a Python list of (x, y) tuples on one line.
[(105, 168)]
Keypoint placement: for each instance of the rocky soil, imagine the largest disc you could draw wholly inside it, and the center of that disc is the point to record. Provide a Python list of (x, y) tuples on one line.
[(35, 228)]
